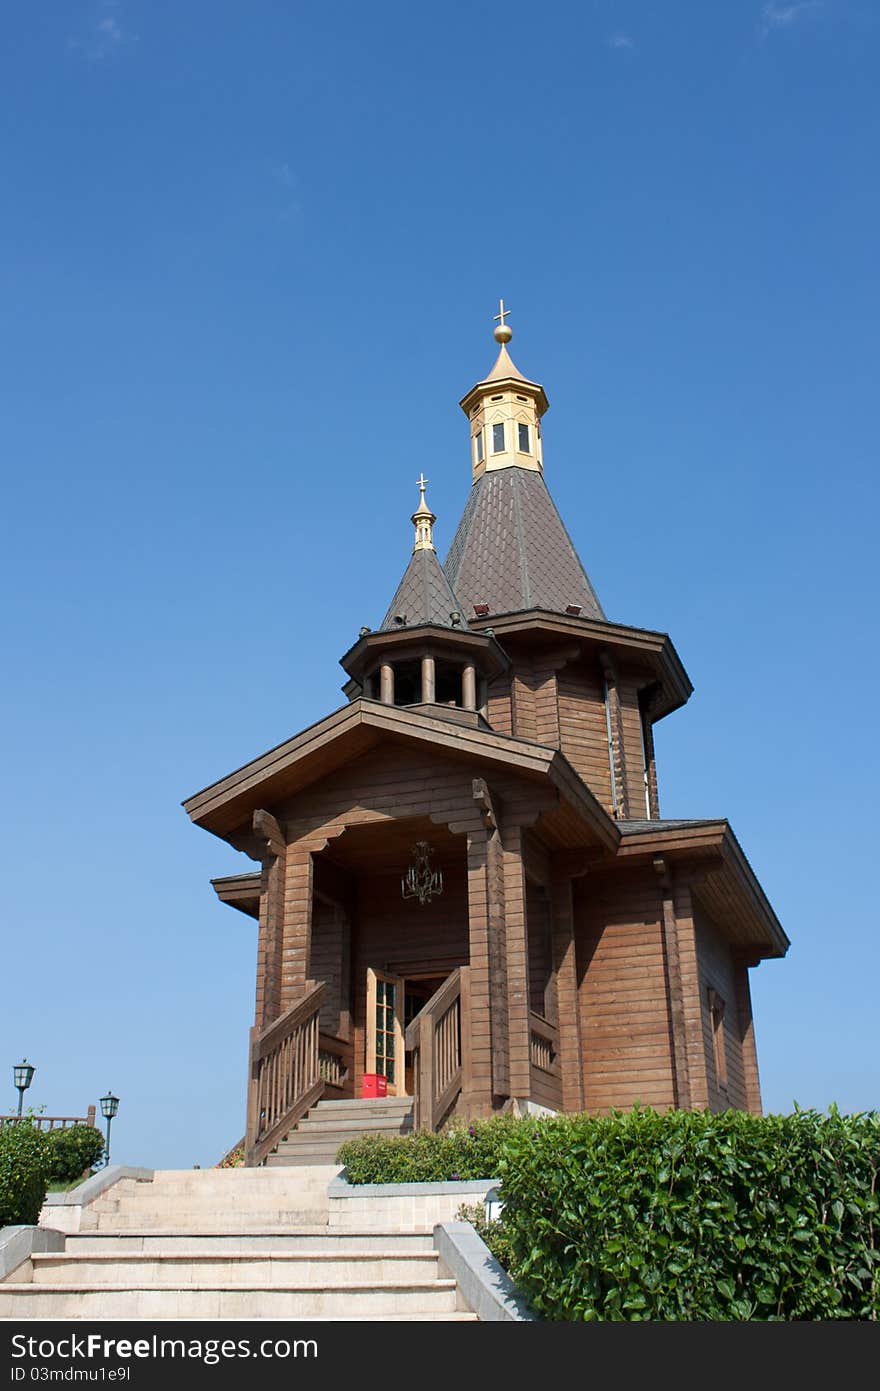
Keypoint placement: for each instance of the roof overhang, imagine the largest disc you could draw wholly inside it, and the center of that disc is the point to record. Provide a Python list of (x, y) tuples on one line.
[(226, 807), (724, 882), (241, 891), (424, 640), (494, 384), (654, 649)]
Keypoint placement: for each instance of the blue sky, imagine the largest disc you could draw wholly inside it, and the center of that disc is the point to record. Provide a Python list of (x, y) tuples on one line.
[(249, 256)]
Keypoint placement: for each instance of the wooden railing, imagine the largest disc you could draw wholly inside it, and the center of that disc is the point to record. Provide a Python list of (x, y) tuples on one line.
[(546, 1075), (284, 1078), (335, 1060), (52, 1122), (438, 1040)]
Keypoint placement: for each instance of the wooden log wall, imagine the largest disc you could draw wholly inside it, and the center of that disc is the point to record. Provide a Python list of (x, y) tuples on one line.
[(624, 1016), (718, 971)]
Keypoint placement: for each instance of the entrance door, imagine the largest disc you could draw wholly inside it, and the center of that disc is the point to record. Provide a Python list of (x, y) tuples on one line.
[(385, 1046)]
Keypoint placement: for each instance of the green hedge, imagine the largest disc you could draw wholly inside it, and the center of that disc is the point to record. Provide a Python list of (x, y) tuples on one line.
[(74, 1150), (693, 1216), (461, 1152), (25, 1165)]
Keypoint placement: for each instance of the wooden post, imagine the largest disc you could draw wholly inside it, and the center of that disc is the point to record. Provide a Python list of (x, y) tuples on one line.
[(565, 967), (469, 687), (428, 681), (692, 996), (268, 991), (517, 952), (386, 683), (477, 1079), (674, 993), (297, 936)]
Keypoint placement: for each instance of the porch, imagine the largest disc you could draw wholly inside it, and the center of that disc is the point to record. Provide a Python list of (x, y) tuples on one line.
[(415, 992)]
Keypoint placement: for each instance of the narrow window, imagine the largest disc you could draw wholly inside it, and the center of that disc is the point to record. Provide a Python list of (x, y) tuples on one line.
[(524, 439), (498, 439), (716, 1014), (479, 443)]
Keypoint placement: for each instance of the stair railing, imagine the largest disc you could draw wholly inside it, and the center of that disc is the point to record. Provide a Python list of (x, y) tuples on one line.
[(284, 1077), (435, 1038)]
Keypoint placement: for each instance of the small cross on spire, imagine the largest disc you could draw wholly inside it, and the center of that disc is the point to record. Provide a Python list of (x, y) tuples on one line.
[(503, 333), (423, 519)]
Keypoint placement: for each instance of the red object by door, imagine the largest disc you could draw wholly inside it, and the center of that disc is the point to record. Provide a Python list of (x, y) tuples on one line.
[(374, 1084)]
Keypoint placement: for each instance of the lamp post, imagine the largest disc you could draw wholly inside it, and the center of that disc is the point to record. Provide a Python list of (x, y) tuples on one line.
[(23, 1074), (109, 1107)]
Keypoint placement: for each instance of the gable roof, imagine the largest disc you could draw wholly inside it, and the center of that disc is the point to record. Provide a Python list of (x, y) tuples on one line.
[(226, 807), (512, 551)]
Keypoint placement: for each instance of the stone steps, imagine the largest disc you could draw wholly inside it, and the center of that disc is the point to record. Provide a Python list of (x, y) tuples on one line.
[(243, 1220), (234, 1244), (329, 1124), (301, 1239), (416, 1298), (250, 1269)]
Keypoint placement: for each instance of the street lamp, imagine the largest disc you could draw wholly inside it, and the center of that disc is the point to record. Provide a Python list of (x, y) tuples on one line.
[(109, 1107), (23, 1074)]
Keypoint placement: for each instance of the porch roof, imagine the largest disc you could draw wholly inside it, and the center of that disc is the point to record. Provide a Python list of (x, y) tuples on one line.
[(729, 890)]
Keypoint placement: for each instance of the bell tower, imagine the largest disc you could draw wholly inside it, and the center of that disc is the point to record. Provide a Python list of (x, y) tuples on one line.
[(505, 412)]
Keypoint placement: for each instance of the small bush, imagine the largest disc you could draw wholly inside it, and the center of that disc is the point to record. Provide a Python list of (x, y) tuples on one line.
[(464, 1151), (74, 1150), (493, 1233), (234, 1158), (689, 1215), (25, 1165)]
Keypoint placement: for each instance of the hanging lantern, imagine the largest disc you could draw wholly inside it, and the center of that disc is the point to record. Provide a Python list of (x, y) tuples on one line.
[(421, 881)]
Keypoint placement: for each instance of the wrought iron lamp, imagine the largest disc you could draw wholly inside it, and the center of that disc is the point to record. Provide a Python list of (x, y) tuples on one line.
[(23, 1074), (421, 881), (109, 1107)]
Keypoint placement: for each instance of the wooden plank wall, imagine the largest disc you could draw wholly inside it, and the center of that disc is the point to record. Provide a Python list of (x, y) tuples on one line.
[(500, 713), (326, 959), (540, 957), (582, 729), (629, 684), (718, 971), (625, 1027)]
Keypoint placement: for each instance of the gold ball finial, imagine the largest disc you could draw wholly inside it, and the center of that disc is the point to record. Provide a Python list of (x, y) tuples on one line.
[(503, 333)]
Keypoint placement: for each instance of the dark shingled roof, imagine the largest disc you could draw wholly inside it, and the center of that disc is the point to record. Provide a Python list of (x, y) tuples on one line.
[(636, 828), (424, 595), (512, 551)]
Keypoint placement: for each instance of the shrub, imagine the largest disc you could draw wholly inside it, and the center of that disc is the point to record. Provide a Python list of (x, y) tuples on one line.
[(463, 1151), (74, 1150), (25, 1164), (234, 1158), (693, 1216), (493, 1233)]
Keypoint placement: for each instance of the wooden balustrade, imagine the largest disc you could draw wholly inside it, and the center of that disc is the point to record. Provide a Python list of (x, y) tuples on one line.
[(52, 1122), (335, 1061), (284, 1076), (545, 1072), (435, 1038)]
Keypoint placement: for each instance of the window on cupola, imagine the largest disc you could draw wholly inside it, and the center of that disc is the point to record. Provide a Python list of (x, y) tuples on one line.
[(524, 439), (498, 438), (478, 441)]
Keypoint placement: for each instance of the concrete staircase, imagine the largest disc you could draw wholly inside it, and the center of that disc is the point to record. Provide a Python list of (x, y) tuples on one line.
[(320, 1133), (231, 1244)]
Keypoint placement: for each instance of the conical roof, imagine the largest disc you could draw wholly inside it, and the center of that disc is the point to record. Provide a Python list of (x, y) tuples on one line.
[(512, 551), (424, 595)]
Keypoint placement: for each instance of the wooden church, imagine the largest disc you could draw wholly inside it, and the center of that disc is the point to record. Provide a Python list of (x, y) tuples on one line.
[(467, 898)]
